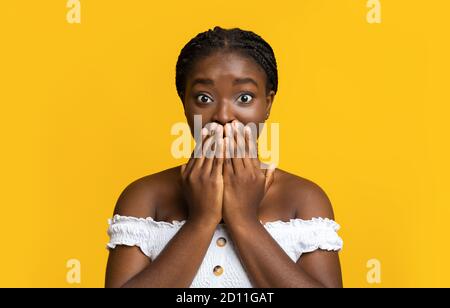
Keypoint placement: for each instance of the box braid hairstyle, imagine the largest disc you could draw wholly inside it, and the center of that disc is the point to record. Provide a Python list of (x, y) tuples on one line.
[(246, 43)]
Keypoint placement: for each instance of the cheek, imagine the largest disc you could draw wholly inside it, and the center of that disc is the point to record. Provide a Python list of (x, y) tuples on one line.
[(190, 112), (252, 115)]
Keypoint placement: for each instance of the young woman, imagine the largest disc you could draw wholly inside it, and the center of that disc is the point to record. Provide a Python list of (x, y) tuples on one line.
[(222, 220)]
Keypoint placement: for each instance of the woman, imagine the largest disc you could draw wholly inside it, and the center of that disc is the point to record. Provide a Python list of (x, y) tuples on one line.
[(222, 220)]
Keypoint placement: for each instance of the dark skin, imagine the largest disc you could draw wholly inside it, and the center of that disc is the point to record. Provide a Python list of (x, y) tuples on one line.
[(236, 191)]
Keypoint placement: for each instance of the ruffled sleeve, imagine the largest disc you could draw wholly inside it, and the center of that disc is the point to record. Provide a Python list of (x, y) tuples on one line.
[(302, 236), (149, 235)]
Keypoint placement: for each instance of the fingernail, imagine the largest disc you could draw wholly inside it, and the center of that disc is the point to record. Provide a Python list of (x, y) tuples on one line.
[(228, 128)]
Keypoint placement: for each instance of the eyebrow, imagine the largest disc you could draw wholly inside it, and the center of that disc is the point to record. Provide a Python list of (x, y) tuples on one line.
[(245, 80), (207, 81)]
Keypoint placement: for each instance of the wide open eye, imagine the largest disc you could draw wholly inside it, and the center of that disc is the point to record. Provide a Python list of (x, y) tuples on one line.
[(204, 99), (245, 98)]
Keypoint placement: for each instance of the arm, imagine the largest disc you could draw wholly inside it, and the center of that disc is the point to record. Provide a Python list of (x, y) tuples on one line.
[(176, 266), (180, 260), (267, 263)]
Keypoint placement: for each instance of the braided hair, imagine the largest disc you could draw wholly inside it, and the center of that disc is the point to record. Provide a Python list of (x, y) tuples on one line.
[(246, 43)]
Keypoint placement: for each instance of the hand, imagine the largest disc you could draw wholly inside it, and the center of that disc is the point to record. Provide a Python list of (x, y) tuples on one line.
[(202, 180), (245, 184)]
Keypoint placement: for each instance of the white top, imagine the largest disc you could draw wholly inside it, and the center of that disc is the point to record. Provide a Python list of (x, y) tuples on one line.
[(221, 266)]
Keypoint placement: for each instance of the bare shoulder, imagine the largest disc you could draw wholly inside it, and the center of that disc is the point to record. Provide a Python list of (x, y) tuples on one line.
[(143, 196), (308, 198)]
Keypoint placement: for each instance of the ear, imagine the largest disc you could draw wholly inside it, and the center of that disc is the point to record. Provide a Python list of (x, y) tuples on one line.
[(269, 101)]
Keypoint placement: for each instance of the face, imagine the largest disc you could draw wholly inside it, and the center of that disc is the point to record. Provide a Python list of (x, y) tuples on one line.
[(227, 86)]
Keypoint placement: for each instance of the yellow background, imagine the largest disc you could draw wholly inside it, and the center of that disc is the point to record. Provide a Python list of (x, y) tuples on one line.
[(87, 108)]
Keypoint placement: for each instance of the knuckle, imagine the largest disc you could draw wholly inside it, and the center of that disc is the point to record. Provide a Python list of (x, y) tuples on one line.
[(190, 177), (216, 182)]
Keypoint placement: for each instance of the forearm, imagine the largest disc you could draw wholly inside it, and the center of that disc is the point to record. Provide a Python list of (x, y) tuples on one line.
[(180, 260), (265, 261)]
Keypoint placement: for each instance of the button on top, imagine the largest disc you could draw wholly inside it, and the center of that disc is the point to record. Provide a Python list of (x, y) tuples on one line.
[(221, 241), (218, 270)]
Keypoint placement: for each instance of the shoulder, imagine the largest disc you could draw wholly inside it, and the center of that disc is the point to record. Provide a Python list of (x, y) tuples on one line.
[(307, 198), (141, 197)]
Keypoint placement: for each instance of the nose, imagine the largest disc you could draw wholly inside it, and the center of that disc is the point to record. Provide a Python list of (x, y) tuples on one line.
[(223, 113)]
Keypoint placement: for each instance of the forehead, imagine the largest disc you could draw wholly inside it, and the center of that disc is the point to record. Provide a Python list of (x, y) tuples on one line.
[(227, 65)]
